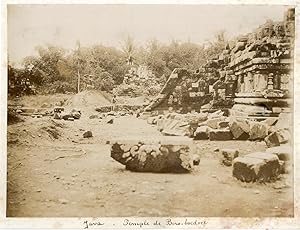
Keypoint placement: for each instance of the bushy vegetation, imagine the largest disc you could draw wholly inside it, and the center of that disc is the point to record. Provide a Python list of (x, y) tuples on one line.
[(56, 70)]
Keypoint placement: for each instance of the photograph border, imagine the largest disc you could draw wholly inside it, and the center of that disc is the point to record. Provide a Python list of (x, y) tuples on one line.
[(207, 222)]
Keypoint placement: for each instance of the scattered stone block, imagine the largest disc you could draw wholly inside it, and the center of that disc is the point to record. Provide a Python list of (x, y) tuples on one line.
[(111, 113), (87, 134), (104, 109), (228, 155), (110, 120), (223, 124), (239, 129), (271, 129), (66, 116), (201, 133), (122, 113), (76, 114), (152, 120), (259, 166), (71, 119), (58, 109), (272, 140), (258, 131), (283, 136), (196, 159), (220, 135), (213, 123), (94, 116), (57, 116)]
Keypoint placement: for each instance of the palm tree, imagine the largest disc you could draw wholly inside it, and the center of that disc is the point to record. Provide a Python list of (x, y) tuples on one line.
[(128, 47)]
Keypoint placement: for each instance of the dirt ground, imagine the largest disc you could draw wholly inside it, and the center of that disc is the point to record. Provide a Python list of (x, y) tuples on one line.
[(54, 172)]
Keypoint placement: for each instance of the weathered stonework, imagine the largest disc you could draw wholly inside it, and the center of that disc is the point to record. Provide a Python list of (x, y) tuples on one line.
[(155, 157)]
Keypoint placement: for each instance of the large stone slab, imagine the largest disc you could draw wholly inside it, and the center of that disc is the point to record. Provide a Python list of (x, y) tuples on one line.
[(259, 166), (220, 135), (156, 157)]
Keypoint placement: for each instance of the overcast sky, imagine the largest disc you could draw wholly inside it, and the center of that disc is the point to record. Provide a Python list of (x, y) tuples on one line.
[(62, 25)]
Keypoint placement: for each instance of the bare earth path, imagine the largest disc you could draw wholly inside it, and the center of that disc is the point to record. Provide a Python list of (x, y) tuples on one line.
[(72, 177)]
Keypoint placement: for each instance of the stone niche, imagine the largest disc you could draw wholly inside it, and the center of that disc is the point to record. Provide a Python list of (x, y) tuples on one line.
[(259, 81)]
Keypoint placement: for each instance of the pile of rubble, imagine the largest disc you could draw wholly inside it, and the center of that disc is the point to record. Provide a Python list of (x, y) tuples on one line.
[(200, 125), (258, 166), (59, 113), (174, 124), (118, 108), (217, 127)]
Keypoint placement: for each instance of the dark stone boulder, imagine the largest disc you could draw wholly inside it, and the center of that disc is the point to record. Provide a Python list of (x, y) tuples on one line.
[(272, 140), (66, 116), (259, 166), (239, 129), (154, 157), (87, 134)]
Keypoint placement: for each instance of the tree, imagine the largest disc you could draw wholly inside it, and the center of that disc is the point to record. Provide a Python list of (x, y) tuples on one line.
[(128, 47)]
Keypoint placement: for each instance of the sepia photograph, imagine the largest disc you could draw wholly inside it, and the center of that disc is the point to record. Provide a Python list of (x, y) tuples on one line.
[(150, 110)]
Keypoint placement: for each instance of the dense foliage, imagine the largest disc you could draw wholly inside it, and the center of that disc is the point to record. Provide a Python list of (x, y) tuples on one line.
[(56, 70)]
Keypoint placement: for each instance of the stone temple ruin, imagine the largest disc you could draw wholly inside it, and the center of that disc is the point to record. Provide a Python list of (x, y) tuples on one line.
[(255, 75), (243, 94)]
